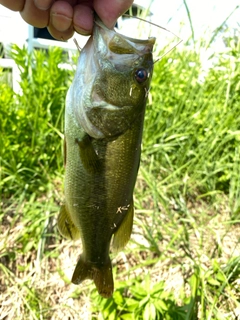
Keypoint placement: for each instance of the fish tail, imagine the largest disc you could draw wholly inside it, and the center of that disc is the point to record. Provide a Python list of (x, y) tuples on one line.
[(100, 274)]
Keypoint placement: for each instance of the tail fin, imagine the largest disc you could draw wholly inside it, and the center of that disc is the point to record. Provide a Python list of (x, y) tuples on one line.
[(101, 275)]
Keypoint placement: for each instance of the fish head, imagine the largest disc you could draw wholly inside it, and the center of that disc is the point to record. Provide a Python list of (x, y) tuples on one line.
[(125, 67), (117, 82)]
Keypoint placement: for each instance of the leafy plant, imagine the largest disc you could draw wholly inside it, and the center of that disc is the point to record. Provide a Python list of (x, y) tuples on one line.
[(31, 147)]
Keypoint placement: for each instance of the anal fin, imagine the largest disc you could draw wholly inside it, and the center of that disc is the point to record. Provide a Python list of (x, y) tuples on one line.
[(65, 225), (123, 233)]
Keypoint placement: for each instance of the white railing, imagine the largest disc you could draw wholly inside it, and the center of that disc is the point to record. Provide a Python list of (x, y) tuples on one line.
[(46, 43), (10, 64), (32, 43)]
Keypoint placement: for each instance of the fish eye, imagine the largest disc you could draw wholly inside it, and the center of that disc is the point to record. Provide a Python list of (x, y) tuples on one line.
[(141, 75)]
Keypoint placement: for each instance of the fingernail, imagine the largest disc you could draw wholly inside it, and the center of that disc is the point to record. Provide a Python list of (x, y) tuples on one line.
[(60, 22), (82, 31), (43, 4)]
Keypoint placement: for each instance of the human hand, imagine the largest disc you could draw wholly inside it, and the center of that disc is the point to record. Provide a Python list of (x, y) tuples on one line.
[(65, 16)]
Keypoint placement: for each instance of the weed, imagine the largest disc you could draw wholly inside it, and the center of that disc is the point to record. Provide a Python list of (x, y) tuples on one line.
[(183, 259)]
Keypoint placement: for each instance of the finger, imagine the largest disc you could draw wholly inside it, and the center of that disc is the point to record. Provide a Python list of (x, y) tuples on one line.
[(83, 19), (61, 16), (109, 11), (13, 4), (34, 16)]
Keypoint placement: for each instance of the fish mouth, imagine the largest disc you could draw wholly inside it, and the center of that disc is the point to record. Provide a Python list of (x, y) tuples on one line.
[(116, 47), (150, 40)]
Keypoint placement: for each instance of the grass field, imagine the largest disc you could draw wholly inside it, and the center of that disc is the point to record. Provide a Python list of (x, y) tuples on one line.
[(183, 260)]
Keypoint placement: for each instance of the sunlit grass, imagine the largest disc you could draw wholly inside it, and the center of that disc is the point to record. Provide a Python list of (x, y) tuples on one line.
[(183, 259)]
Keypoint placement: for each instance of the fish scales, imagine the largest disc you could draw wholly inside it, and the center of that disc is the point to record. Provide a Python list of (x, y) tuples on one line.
[(104, 117)]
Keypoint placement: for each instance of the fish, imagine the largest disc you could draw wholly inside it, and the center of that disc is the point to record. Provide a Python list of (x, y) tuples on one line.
[(104, 117)]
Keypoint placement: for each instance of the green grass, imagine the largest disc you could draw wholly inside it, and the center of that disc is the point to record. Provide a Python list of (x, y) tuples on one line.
[(183, 259)]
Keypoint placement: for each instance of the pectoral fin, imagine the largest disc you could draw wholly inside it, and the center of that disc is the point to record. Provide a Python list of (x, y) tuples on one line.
[(66, 226), (123, 233), (88, 155)]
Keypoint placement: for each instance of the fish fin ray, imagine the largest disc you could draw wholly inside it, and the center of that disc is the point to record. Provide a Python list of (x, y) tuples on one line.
[(123, 233), (66, 226), (88, 155), (101, 275), (65, 152)]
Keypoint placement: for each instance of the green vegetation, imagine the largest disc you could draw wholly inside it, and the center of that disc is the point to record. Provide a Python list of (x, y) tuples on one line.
[(183, 261)]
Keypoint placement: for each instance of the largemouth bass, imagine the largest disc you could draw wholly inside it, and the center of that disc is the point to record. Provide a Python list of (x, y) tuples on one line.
[(104, 117)]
